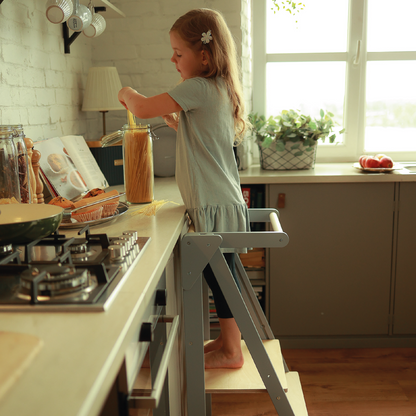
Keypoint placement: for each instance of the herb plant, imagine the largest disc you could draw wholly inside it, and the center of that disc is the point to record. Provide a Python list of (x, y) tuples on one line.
[(292, 126)]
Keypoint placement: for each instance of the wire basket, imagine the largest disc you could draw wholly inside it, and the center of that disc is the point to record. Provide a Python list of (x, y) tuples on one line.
[(295, 157)]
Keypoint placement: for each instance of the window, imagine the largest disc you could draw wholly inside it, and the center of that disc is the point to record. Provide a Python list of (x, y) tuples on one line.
[(354, 58)]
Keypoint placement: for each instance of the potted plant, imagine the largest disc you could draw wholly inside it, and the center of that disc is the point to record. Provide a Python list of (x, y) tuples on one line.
[(289, 140)]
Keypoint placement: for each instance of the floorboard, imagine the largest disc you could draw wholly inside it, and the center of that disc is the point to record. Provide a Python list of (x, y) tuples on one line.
[(340, 382)]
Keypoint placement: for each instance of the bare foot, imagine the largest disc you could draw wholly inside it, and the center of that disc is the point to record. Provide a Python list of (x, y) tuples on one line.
[(213, 345), (220, 359)]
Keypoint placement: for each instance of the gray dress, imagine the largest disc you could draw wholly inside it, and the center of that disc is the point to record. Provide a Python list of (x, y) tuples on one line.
[(206, 171)]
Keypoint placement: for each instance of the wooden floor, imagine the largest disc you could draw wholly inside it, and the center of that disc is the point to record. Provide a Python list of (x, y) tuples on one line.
[(340, 382)]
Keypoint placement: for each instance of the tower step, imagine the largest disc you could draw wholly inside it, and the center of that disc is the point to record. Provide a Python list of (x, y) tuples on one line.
[(246, 379), (225, 380), (295, 394)]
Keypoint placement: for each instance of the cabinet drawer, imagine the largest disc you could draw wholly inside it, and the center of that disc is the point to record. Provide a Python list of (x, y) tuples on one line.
[(137, 349), (150, 389)]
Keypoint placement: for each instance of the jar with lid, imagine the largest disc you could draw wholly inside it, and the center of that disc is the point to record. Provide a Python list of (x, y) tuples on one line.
[(138, 163), (23, 162), (9, 174), (137, 160)]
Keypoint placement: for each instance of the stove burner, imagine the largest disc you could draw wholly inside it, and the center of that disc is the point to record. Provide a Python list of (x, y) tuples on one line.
[(79, 249), (58, 281), (79, 245)]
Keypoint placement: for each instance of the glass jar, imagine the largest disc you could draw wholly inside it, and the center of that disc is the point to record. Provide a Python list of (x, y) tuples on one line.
[(138, 163), (23, 162), (9, 173)]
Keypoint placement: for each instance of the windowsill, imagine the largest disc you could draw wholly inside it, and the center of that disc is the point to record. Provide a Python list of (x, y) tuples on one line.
[(322, 173)]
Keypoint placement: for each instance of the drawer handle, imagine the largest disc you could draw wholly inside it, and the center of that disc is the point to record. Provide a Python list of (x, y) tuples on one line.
[(161, 297), (146, 333), (152, 401)]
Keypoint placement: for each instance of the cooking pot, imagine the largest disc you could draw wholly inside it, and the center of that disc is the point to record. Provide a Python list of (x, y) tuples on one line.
[(24, 223)]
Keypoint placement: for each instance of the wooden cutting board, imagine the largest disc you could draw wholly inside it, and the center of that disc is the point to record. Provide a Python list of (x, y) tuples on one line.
[(17, 351)]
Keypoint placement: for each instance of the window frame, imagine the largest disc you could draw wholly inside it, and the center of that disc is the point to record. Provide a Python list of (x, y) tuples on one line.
[(356, 58)]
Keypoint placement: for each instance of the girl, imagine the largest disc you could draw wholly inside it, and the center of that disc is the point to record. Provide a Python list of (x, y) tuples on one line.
[(207, 111)]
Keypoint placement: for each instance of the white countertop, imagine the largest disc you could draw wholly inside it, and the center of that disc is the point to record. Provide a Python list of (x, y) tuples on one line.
[(82, 352), (322, 173)]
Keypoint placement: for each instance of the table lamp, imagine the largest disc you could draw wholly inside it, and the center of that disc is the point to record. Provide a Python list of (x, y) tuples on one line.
[(103, 85)]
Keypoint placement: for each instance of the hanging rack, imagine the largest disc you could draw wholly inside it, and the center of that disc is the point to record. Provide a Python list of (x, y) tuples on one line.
[(69, 40)]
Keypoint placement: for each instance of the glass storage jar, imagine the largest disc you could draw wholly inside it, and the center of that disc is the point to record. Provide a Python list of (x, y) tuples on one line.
[(9, 173), (138, 163), (23, 163)]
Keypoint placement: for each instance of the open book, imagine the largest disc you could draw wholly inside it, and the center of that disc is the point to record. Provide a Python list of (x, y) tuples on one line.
[(68, 167)]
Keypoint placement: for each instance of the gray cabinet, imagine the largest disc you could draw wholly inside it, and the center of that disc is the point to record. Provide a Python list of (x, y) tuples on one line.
[(405, 283), (334, 276)]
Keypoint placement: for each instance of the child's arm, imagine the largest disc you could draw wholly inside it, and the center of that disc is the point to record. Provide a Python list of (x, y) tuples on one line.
[(148, 107)]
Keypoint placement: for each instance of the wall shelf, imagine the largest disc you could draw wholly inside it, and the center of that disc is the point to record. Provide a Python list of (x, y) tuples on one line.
[(100, 6), (111, 10)]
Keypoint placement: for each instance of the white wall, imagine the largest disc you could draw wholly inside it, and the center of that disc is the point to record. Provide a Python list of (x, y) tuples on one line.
[(139, 46), (41, 87)]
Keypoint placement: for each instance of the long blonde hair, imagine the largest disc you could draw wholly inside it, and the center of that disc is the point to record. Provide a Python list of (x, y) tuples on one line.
[(221, 55)]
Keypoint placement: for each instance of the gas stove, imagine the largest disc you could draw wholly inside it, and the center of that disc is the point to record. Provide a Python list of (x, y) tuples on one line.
[(58, 274)]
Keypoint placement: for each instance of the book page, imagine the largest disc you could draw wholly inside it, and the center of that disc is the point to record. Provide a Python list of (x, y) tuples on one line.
[(60, 169), (80, 153)]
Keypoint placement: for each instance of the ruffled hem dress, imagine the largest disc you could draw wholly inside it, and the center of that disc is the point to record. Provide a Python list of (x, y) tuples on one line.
[(206, 170)]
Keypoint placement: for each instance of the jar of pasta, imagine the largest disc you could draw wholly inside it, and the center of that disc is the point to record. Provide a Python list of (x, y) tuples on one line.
[(138, 163), (9, 174)]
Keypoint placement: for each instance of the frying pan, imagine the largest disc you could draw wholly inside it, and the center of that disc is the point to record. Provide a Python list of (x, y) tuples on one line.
[(24, 223)]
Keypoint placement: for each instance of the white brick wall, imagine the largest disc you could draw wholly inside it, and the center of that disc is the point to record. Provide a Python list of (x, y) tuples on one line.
[(42, 88), (140, 49)]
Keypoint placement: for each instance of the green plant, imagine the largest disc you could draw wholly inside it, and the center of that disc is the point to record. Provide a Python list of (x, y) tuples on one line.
[(292, 126), (289, 6)]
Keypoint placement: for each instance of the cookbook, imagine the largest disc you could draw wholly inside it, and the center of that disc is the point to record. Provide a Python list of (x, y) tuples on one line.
[(68, 167)]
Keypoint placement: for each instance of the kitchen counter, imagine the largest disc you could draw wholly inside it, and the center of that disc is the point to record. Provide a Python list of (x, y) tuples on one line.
[(322, 173), (355, 231), (82, 352)]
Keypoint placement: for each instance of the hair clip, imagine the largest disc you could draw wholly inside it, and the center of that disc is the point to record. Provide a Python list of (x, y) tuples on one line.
[(206, 37)]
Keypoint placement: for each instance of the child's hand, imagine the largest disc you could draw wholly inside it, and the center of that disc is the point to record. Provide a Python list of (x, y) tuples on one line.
[(172, 120), (122, 93)]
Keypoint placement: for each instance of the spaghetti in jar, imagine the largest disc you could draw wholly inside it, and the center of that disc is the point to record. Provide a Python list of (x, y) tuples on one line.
[(138, 164)]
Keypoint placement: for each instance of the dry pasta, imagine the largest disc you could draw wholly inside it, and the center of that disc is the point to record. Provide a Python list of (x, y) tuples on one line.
[(138, 163), (152, 208), (130, 118)]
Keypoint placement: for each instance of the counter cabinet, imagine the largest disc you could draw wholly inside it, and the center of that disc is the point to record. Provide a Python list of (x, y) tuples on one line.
[(404, 313), (346, 278), (133, 380)]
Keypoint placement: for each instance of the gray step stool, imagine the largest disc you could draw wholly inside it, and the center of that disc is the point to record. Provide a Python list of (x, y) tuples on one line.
[(199, 249)]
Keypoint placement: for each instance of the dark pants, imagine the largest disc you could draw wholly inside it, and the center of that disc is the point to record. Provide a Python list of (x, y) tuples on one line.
[(223, 311)]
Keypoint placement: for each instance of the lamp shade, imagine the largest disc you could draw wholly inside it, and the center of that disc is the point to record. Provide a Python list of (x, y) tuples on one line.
[(101, 92)]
